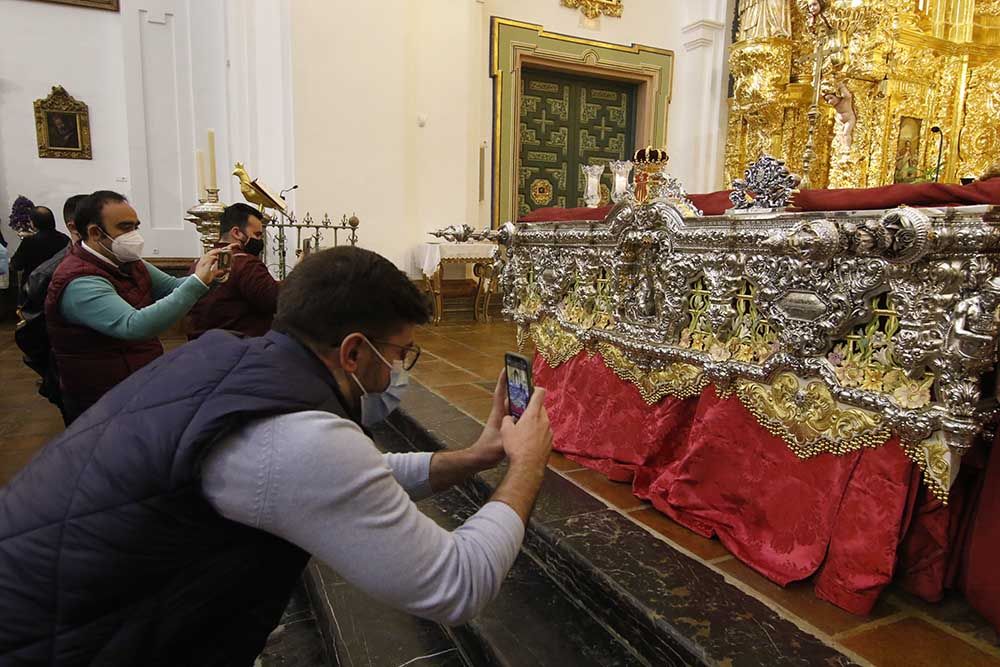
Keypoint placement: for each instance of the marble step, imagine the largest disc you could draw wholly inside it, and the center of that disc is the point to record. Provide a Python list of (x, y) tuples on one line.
[(530, 623), (669, 608)]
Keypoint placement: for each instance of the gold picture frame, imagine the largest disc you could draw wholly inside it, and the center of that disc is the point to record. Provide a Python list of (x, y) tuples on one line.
[(109, 5), (62, 125)]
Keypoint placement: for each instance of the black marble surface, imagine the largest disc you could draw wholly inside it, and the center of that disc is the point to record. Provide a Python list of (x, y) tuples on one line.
[(360, 631), (296, 642), (670, 608), (532, 621)]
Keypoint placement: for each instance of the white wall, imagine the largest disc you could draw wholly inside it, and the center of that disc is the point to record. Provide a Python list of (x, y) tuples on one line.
[(390, 112), (156, 77), (42, 45)]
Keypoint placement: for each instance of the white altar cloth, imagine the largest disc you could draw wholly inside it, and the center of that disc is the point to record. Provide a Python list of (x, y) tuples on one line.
[(428, 256)]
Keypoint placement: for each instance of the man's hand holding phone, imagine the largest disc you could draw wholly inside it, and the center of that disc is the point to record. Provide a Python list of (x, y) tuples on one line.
[(527, 443)]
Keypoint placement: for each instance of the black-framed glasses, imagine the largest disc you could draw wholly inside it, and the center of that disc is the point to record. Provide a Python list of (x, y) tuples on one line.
[(410, 353)]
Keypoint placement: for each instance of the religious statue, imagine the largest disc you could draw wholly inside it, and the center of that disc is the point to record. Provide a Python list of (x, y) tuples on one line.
[(763, 19), (842, 101)]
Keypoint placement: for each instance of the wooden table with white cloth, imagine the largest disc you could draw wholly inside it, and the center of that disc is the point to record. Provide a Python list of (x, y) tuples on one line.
[(431, 259)]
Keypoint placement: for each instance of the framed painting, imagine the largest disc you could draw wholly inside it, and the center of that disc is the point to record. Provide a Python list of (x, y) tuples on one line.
[(62, 126), (110, 5)]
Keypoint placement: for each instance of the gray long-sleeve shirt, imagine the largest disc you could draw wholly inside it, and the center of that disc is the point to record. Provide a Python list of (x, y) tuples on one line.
[(317, 480)]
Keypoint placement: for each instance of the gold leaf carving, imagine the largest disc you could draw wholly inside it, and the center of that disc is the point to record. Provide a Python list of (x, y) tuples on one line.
[(808, 418), (594, 8)]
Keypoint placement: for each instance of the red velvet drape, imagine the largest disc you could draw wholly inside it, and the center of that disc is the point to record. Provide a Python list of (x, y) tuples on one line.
[(889, 196), (709, 465)]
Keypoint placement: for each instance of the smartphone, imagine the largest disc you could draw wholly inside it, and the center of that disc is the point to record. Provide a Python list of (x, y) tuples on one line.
[(518, 383), (225, 260)]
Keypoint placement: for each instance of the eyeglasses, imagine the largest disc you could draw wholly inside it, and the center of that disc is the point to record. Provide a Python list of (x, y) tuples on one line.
[(410, 353)]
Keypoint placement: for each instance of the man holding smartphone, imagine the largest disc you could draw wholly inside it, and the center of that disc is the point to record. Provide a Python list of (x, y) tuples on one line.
[(170, 523), (106, 307), (246, 302)]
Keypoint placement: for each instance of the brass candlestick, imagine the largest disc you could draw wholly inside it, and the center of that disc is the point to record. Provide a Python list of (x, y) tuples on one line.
[(206, 216)]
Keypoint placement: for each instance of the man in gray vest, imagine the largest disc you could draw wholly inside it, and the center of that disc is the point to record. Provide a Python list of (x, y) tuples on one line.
[(170, 522)]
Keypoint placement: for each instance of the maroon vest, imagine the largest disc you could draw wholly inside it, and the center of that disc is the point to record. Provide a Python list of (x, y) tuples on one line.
[(91, 363)]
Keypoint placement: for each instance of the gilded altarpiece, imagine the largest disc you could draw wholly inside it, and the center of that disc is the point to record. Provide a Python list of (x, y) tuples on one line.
[(567, 122), (936, 62)]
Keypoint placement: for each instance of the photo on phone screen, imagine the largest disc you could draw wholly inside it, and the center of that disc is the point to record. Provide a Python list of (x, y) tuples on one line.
[(518, 383)]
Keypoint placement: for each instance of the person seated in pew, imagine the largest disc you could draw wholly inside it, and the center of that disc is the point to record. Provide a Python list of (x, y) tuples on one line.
[(170, 523), (38, 247), (106, 307), (246, 302), (30, 333)]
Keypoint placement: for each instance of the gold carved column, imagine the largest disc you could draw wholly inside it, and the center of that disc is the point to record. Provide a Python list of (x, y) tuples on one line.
[(891, 71)]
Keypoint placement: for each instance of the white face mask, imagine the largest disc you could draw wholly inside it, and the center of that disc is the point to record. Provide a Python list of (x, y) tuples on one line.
[(127, 247), (377, 405)]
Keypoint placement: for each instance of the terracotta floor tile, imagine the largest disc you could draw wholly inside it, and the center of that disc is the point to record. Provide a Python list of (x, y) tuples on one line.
[(953, 611), (22, 443), (559, 462), (912, 642), (477, 406), (444, 378), (616, 494), (678, 534), (799, 599), (459, 392)]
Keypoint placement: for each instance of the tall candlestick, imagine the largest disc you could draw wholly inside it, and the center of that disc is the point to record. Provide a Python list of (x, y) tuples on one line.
[(201, 175), (212, 182)]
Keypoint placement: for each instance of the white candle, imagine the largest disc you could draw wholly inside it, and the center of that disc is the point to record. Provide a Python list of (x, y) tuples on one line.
[(212, 182), (201, 174)]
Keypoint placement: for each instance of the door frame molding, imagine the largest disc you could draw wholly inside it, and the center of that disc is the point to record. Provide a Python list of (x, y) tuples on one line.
[(515, 44)]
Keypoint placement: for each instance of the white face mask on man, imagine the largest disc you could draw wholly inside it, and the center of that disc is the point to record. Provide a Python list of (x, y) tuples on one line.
[(377, 405), (127, 247)]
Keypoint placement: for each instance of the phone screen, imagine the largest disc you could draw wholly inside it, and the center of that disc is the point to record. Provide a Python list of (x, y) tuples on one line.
[(518, 383), (225, 260)]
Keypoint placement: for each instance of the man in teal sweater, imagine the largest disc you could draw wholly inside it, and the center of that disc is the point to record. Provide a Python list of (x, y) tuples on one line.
[(106, 307)]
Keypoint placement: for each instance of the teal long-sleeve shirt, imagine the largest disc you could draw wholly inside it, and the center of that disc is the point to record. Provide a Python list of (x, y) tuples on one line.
[(93, 302)]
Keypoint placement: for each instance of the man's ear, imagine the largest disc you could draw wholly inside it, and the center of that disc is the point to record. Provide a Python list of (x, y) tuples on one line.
[(351, 351)]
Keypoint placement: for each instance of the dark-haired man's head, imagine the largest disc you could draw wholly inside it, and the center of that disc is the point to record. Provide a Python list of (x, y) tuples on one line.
[(357, 312), (242, 223), (42, 219), (108, 224), (69, 215)]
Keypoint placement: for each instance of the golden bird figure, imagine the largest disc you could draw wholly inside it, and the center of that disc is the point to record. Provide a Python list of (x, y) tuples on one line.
[(254, 192)]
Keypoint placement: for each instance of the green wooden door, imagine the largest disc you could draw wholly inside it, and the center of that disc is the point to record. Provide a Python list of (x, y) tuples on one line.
[(567, 122)]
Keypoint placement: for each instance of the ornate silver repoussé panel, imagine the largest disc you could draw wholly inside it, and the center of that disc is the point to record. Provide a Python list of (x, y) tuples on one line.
[(837, 330)]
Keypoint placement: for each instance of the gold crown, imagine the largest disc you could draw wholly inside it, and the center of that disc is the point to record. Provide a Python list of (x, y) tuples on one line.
[(650, 156)]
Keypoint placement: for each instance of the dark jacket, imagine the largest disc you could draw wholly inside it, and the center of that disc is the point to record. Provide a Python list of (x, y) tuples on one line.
[(89, 362), (36, 286), (109, 552), (31, 334), (37, 248), (245, 303)]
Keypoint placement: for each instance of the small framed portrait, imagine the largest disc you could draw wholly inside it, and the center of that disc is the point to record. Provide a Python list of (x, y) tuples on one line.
[(62, 125), (110, 5)]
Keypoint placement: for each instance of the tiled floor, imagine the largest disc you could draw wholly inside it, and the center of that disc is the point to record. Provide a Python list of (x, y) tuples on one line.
[(461, 365)]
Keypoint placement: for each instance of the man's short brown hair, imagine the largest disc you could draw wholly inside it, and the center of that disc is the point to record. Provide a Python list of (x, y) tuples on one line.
[(339, 291)]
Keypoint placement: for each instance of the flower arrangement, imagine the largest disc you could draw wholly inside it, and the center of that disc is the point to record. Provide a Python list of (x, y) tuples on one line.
[(19, 220)]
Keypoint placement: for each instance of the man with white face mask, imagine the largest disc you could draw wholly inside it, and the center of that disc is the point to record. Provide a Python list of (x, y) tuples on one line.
[(105, 307)]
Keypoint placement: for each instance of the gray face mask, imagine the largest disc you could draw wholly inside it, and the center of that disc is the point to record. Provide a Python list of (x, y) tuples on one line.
[(376, 406)]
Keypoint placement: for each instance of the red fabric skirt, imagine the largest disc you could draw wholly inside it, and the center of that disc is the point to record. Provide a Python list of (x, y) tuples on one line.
[(853, 521)]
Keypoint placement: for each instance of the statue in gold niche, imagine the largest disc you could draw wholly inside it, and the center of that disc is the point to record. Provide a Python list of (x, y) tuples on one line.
[(842, 101), (763, 19), (876, 63)]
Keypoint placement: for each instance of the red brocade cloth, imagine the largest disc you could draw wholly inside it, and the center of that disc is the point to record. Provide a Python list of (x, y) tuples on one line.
[(854, 521), (889, 196)]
